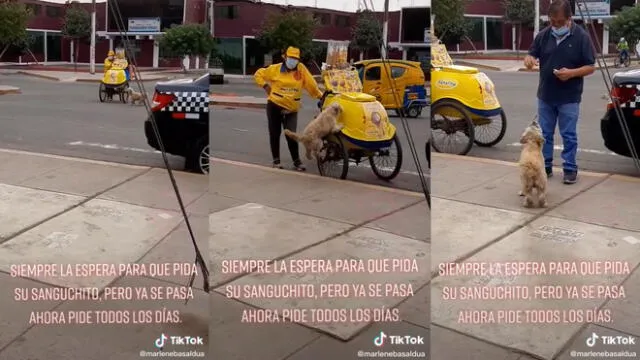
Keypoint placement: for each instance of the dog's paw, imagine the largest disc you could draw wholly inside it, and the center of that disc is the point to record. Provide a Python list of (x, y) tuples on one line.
[(520, 193)]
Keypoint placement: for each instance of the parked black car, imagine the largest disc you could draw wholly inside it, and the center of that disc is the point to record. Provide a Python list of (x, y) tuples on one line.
[(181, 111), (625, 89)]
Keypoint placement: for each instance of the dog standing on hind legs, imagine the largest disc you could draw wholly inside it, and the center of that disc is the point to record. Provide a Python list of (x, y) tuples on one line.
[(532, 173), (324, 124)]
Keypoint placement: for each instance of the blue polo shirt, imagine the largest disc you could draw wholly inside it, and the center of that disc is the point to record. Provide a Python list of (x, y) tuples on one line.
[(573, 51)]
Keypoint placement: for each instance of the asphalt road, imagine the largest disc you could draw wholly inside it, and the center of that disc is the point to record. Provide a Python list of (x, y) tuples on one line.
[(517, 94), (67, 119), (241, 135)]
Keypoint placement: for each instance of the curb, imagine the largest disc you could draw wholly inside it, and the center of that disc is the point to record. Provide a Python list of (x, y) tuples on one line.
[(479, 66), (237, 104), (69, 158), (55, 78), (47, 77), (305, 174), (10, 91), (515, 164)]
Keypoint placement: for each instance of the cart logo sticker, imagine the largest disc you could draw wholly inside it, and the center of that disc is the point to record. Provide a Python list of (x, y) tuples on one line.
[(446, 84), (488, 90), (375, 128)]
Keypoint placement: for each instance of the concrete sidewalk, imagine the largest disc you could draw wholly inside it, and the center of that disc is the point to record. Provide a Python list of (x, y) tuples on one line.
[(478, 218), (68, 211), (515, 65), (262, 213)]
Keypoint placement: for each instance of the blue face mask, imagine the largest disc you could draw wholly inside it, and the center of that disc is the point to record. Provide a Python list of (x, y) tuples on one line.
[(291, 63), (561, 31)]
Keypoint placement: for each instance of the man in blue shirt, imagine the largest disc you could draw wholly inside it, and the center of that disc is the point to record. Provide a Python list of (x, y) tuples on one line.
[(565, 55)]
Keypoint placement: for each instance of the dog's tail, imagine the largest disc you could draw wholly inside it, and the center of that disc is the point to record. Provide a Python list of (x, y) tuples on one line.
[(293, 135)]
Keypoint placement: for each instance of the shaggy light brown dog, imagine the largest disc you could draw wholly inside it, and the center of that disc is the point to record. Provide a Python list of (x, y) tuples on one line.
[(532, 173), (136, 97), (324, 124)]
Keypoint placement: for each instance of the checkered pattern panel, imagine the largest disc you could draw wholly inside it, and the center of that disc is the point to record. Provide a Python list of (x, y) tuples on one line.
[(189, 102), (635, 102)]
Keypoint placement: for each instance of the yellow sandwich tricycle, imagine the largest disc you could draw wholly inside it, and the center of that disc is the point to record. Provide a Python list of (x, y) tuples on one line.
[(464, 106), (367, 132), (115, 80)]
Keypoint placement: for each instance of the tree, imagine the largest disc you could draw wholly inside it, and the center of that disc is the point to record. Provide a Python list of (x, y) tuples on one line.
[(450, 24), (626, 24), (188, 40), (367, 33), (289, 28), (520, 13), (14, 17), (76, 27)]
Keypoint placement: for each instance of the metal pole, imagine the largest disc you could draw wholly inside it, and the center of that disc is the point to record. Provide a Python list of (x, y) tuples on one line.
[(92, 48), (385, 30), (212, 17), (536, 23)]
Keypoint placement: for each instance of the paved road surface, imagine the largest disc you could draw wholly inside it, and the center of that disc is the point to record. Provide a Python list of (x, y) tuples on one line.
[(67, 119), (517, 93)]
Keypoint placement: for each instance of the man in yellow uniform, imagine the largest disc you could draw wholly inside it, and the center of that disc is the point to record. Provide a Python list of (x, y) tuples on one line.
[(283, 83), (108, 62)]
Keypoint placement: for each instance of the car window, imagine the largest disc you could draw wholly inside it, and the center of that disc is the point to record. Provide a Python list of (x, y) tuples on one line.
[(373, 74), (397, 71)]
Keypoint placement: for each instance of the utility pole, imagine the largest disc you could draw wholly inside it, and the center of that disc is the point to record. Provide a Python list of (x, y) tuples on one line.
[(92, 47), (212, 16), (385, 30), (536, 23)]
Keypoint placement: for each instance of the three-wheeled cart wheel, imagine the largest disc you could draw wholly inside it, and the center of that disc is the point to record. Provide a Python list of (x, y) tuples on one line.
[(452, 130), (102, 93), (124, 95), (333, 159), (490, 131), (387, 162)]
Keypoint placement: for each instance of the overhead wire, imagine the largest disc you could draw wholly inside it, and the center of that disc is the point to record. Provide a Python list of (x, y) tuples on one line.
[(608, 81), (199, 260)]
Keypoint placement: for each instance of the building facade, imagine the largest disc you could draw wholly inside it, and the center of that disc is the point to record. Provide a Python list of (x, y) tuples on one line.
[(236, 23), (490, 30)]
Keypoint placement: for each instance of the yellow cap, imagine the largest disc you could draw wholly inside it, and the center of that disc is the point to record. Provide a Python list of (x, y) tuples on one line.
[(293, 52)]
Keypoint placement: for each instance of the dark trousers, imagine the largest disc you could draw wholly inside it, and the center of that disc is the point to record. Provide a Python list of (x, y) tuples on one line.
[(278, 120)]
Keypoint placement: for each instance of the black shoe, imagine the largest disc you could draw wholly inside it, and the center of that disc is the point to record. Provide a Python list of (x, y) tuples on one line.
[(297, 165), (570, 177), (277, 165), (549, 172)]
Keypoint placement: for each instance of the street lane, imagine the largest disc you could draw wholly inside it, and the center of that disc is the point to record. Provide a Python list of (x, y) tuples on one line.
[(517, 94), (49, 116), (67, 119)]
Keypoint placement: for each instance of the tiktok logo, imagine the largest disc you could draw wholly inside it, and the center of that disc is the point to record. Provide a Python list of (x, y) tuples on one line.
[(379, 340), (160, 341), (591, 341)]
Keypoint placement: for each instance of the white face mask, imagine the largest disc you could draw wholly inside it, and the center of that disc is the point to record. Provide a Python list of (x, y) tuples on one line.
[(291, 63)]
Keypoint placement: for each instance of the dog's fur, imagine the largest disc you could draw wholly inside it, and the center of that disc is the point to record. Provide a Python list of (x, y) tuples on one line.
[(136, 97), (324, 124), (532, 173)]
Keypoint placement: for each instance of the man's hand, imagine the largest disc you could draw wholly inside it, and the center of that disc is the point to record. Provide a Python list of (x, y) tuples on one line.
[(564, 74), (267, 89), (530, 62)]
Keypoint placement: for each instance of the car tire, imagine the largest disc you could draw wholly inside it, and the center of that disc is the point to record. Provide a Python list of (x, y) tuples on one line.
[(192, 161)]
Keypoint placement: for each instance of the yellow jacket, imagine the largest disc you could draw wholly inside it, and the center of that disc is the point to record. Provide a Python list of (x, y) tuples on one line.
[(286, 86), (107, 64)]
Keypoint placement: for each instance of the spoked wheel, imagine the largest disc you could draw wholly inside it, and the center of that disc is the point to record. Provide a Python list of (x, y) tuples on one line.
[(102, 93), (124, 96), (627, 61), (616, 61), (387, 162), (333, 159), (205, 160), (490, 131), (452, 131)]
